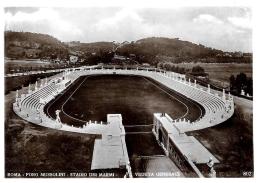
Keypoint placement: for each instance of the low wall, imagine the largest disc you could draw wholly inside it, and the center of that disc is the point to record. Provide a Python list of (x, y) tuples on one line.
[(17, 82)]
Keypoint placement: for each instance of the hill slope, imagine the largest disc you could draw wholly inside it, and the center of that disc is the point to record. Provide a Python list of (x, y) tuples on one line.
[(156, 49), (88, 48), (33, 45), (23, 45), (173, 50)]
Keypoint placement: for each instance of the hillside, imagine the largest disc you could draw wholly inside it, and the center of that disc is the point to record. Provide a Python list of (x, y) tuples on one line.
[(33, 45), (24, 45), (175, 47), (155, 49), (88, 48)]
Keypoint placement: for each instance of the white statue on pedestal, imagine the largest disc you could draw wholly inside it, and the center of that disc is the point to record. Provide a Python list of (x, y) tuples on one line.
[(16, 97), (210, 163), (212, 172), (58, 116), (36, 88), (223, 95), (29, 88), (17, 94), (41, 83), (242, 92)]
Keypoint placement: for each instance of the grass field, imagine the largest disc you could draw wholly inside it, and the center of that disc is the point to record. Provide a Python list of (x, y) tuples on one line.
[(232, 142), (136, 98), (28, 65), (220, 72)]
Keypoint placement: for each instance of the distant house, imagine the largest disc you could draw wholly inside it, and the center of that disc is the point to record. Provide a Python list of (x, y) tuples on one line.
[(73, 58), (146, 65), (119, 57), (57, 60), (132, 56), (73, 43), (16, 43), (32, 53), (82, 60), (35, 45), (227, 55), (238, 54)]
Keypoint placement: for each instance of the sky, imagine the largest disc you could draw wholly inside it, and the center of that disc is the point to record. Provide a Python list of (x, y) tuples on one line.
[(225, 28)]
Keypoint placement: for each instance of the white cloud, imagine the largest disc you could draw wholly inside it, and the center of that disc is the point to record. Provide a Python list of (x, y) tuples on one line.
[(243, 21), (223, 31), (207, 18), (126, 24), (124, 15), (45, 20)]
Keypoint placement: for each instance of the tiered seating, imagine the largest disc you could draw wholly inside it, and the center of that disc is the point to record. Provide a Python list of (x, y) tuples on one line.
[(46, 93), (216, 109), (33, 102)]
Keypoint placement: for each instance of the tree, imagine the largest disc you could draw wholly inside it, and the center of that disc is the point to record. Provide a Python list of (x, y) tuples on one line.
[(241, 81), (198, 69), (232, 82), (249, 86)]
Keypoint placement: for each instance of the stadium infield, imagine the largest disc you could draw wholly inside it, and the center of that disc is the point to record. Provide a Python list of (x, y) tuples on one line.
[(136, 98)]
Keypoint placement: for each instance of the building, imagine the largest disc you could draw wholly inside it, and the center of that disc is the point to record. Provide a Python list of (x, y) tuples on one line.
[(110, 151), (73, 58), (185, 151)]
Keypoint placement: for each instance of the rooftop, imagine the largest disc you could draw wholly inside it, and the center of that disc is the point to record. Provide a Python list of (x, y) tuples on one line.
[(188, 145), (110, 151)]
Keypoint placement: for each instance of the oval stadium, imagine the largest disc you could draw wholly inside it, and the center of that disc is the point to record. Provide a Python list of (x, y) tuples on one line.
[(140, 120)]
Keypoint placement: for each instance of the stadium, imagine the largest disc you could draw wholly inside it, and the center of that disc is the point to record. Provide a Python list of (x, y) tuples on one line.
[(135, 114)]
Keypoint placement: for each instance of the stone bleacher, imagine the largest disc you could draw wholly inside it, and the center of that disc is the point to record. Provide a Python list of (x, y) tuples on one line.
[(217, 108)]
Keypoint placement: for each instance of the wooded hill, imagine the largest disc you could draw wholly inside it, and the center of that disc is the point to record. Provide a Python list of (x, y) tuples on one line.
[(23, 45), (155, 49)]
